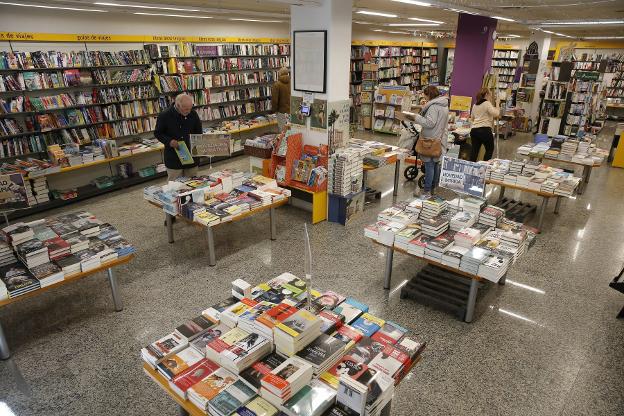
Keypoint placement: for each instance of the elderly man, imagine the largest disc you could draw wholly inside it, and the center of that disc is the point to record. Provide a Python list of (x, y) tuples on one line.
[(175, 124)]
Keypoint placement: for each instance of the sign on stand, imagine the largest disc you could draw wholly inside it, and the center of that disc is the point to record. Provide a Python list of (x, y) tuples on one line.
[(462, 176), (13, 194), (211, 144)]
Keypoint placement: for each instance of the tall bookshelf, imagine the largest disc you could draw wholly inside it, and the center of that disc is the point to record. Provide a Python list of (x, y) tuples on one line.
[(358, 56), (580, 104), (553, 107), (425, 67), (85, 99), (505, 62), (389, 62), (434, 68)]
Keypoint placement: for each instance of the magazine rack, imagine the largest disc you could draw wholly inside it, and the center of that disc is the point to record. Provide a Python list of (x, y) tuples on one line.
[(293, 152)]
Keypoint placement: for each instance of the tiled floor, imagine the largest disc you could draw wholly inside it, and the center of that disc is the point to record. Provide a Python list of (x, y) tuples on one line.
[(547, 343)]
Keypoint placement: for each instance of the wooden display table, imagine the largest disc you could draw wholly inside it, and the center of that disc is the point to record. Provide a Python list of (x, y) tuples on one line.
[(209, 229), (475, 281), (108, 266), (587, 169), (545, 198), (186, 407)]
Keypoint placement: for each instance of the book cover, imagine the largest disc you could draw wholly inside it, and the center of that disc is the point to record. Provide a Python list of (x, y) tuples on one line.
[(200, 342), (297, 323), (368, 324), (177, 363), (346, 366), (167, 345), (215, 383), (18, 278), (184, 154), (366, 349), (194, 327), (312, 400), (228, 339), (193, 375), (240, 349), (233, 397), (390, 333), (257, 407), (214, 312), (276, 314), (330, 299), (348, 335), (321, 349)]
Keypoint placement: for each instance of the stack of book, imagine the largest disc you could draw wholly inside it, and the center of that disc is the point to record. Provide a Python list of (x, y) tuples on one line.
[(156, 352), (32, 253), (17, 280), (491, 215), (568, 149), (312, 400), (229, 400), (177, 363), (285, 381), (516, 166), (567, 187), (253, 375), (452, 257), (473, 205), (471, 261), (493, 267), (48, 274), (407, 234), (296, 332), (438, 246), (435, 226), (237, 349), (417, 246), (432, 207), (209, 387), (345, 171), (323, 353), (6, 254), (18, 233), (351, 309), (462, 219)]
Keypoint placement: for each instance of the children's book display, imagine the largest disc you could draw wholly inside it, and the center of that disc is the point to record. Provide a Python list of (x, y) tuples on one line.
[(217, 197), (267, 354), (464, 234), (40, 253)]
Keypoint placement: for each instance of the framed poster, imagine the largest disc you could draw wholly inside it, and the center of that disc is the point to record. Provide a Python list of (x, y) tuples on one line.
[(318, 116), (462, 176), (310, 60)]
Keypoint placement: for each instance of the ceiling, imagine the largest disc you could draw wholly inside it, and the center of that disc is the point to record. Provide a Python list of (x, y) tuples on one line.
[(528, 15)]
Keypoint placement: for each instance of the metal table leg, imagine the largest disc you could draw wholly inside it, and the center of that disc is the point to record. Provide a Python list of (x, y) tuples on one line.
[(364, 177), (273, 224), (503, 280), (472, 300), (387, 409), (541, 213), (388, 269), (169, 221), (584, 180), (211, 248), (557, 205), (501, 195), (115, 290), (5, 353), (397, 172), (183, 411), (589, 171)]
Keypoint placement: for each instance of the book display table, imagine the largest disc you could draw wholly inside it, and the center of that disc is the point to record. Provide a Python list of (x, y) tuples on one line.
[(221, 197), (397, 173), (328, 355), (45, 254)]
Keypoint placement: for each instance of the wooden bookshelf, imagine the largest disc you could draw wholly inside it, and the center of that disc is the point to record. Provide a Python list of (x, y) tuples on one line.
[(505, 62)]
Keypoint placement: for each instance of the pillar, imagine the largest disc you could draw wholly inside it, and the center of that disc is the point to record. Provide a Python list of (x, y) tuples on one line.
[(473, 53), (543, 44), (334, 16)]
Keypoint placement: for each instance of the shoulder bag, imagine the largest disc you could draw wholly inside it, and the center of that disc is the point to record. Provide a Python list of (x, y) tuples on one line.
[(428, 147)]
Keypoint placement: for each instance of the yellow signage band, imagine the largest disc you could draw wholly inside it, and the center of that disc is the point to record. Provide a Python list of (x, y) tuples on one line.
[(94, 37)]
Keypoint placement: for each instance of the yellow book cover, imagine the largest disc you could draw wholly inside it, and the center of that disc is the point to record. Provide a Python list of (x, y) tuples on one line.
[(373, 319), (297, 323), (261, 407)]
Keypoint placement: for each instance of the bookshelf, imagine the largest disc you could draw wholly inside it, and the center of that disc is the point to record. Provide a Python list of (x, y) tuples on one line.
[(505, 62), (553, 107), (434, 78), (359, 55), (579, 105), (388, 100)]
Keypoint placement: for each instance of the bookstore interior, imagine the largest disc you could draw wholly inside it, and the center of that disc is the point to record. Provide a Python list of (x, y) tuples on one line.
[(311, 207)]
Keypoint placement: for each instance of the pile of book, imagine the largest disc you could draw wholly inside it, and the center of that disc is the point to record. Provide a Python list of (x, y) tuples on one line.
[(344, 172), (432, 207), (223, 369), (218, 197), (49, 250), (566, 148), (491, 215)]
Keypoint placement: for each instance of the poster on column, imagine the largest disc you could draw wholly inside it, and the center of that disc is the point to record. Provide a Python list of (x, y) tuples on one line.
[(318, 115), (13, 194), (296, 117), (462, 176), (338, 113)]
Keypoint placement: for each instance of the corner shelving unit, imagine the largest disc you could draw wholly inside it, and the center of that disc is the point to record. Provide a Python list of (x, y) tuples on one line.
[(505, 63)]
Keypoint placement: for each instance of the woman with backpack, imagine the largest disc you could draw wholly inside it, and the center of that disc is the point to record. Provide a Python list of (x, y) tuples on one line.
[(433, 139)]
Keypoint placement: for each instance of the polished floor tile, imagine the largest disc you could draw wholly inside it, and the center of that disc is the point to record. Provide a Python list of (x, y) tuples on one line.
[(546, 343)]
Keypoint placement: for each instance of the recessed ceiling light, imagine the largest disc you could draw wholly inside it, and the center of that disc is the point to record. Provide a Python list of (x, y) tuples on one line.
[(140, 6), (503, 18), (78, 9), (373, 13), (581, 22), (418, 19), (255, 20), (415, 3), (412, 24), (174, 15)]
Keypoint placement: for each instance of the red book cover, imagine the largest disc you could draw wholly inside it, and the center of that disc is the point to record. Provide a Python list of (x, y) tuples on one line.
[(277, 382), (194, 374), (383, 338), (277, 314)]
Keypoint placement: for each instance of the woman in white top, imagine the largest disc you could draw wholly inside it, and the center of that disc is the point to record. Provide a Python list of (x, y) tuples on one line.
[(483, 115)]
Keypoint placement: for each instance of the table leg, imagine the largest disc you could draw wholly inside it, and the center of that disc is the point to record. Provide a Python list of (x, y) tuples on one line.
[(211, 248), (557, 205), (397, 173), (387, 409), (364, 177), (115, 290), (541, 213), (589, 171), (273, 224), (584, 180), (388, 269), (169, 221), (183, 411), (5, 353), (472, 300), (503, 280), (501, 195)]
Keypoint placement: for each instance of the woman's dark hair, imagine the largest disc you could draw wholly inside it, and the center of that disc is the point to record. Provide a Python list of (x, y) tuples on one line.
[(431, 92), (483, 92)]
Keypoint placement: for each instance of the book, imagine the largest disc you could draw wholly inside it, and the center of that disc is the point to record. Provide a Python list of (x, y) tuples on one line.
[(312, 400), (184, 154), (194, 327), (18, 280), (203, 339), (179, 362), (368, 324), (322, 353), (285, 380), (230, 399), (347, 365), (168, 345), (390, 333), (253, 375), (209, 387), (191, 376), (257, 407)]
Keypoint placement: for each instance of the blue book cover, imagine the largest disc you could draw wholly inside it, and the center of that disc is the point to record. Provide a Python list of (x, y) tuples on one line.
[(356, 304), (184, 154)]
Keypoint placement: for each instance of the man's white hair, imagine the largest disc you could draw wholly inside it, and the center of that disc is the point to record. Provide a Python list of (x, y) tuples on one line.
[(181, 98)]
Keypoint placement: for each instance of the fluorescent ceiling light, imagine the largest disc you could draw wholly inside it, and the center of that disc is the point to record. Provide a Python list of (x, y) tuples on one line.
[(412, 24), (140, 6), (377, 30), (581, 23), (398, 32), (602, 37), (173, 15), (557, 34), (415, 3), (503, 18), (461, 11), (372, 13), (256, 20), (424, 20), (78, 9), (509, 36), (359, 22)]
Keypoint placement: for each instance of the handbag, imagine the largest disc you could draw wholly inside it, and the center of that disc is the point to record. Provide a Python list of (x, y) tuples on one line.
[(429, 147)]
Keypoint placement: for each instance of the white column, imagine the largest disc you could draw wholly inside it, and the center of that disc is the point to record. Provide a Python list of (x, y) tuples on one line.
[(543, 43), (334, 16)]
